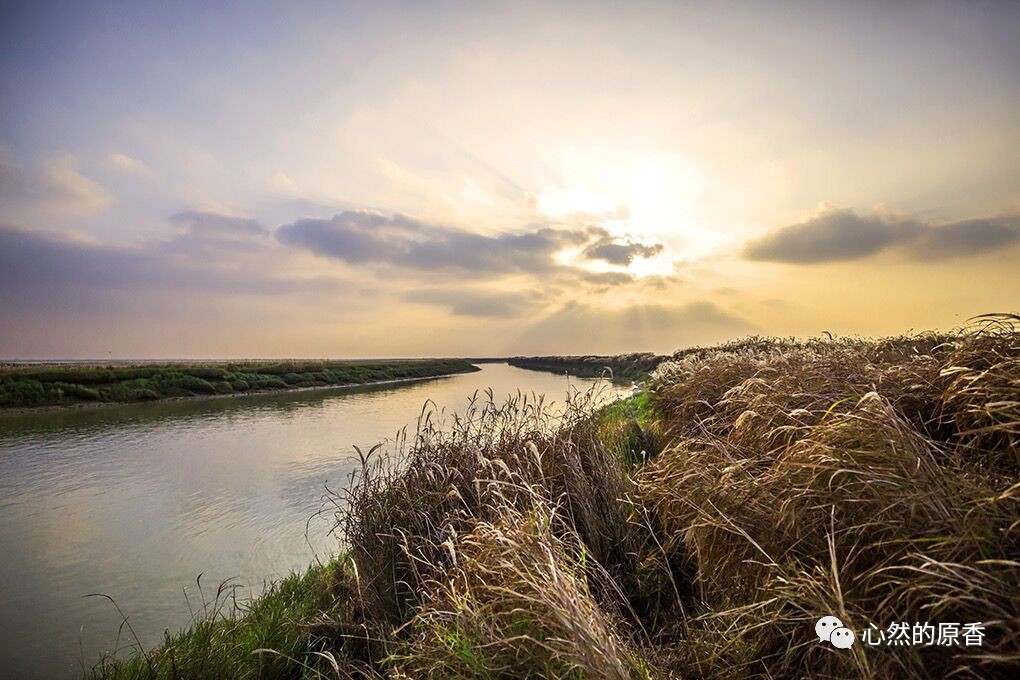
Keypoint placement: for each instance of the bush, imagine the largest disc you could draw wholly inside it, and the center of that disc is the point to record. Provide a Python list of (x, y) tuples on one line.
[(510, 583), (174, 383), (22, 392), (829, 477), (400, 516), (140, 390), (206, 372), (76, 391), (267, 382)]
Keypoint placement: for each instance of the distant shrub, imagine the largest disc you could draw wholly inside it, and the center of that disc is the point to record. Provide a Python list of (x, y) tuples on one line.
[(84, 376), (296, 378), (268, 382), (206, 372), (140, 391), (22, 392), (76, 391), (178, 384), (132, 372)]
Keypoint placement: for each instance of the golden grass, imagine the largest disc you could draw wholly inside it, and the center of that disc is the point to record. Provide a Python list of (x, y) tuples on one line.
[(700, 529)]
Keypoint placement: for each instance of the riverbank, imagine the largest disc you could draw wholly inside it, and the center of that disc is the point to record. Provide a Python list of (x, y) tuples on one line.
[(620, 368), (93, 405), (41, 387), (697, 529)]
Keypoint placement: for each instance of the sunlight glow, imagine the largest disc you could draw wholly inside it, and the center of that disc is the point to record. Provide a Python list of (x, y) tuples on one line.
[(575, 200), (650, 195)]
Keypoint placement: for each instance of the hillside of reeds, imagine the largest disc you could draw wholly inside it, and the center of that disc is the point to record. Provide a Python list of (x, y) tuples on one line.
[(696, 530), (33, 385)]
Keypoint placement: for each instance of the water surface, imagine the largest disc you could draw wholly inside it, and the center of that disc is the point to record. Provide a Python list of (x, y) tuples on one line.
[(137, 501)]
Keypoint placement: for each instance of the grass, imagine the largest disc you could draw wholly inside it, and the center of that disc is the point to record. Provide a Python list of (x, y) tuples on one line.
[(695, 530), (62, 385), (263, 638)]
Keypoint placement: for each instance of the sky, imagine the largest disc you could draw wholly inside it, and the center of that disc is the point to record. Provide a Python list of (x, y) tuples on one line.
[(389, 179)]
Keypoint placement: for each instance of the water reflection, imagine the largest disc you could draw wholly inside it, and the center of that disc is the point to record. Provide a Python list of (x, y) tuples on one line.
[(137, 501)]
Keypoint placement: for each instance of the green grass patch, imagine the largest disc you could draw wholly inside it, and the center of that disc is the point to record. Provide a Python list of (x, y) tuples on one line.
[(233, 639)]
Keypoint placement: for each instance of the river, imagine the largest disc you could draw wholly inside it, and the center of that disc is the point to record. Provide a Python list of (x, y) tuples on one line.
[(137, 501)]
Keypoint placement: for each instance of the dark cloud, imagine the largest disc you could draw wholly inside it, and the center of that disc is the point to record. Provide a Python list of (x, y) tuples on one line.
[(224, 255), (366, 237), (830, 236), (839, 235), (51, 271), (204, 235), (969, 237), (479, 303), (30, 259), (621, 254)]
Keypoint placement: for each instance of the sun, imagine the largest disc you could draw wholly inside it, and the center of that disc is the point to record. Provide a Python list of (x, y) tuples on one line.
[(651, 197), (637, 194)]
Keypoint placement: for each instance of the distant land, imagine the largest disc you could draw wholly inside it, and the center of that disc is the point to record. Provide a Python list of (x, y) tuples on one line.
[(48, 385), (80, 382), (621, 367)]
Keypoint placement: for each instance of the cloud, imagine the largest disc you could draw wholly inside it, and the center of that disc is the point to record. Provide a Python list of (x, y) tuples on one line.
[(831, 235), (479, 303), (835, 234), (621, 254), (129, 165), (196, 221), (578, 328), (46, 270), (368, 237), (552, 287), (969, 237), (31, 260), (67, 189), (56, 186), (606, 278), (206, 235)]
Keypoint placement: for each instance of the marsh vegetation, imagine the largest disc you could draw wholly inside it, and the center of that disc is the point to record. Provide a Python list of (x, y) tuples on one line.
[(697, 529), (28, 385)]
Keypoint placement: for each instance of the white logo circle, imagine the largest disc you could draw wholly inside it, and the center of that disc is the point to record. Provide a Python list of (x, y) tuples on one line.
[(825, 626), (843, 638)]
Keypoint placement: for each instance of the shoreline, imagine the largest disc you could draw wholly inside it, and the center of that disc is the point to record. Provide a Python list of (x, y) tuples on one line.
[(98, 405)]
